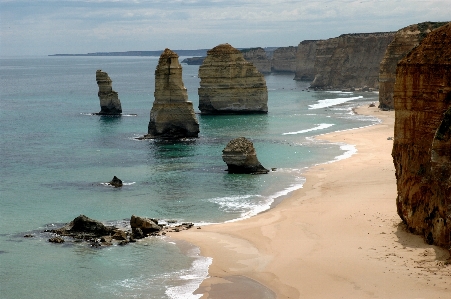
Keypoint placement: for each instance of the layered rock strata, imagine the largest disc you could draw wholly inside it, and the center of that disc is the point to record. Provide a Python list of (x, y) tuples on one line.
[(350, 60), (422, 141), (284, 59), (403, 42), (172, 115), (241, 157), (230, 84), (305, 60), (109, 100), (258, 57)]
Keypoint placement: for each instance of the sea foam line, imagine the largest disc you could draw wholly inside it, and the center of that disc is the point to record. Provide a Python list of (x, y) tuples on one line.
[(318, 127), (332, 102)]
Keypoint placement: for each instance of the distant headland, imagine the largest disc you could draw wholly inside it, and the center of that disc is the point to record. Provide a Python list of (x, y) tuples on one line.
[(198, 52)]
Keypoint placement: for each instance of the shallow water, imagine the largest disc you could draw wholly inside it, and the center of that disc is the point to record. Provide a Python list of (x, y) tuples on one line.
[(56, 155)]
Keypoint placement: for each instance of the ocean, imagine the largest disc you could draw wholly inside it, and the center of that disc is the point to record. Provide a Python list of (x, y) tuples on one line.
[(56, 155)]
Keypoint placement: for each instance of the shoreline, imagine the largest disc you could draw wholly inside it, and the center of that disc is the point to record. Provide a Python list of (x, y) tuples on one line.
[(337, 236)]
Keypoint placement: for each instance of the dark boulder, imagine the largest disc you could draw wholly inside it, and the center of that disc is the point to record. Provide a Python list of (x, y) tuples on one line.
[(115, 182)]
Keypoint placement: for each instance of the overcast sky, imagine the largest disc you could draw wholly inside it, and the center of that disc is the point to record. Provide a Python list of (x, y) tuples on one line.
[(42, 27)]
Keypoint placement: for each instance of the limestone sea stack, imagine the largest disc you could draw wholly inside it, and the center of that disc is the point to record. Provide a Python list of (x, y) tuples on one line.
[(241, 157), (305, 60), (230, 84), (172, 115), (422, 141), (109, 100), (403, 42)]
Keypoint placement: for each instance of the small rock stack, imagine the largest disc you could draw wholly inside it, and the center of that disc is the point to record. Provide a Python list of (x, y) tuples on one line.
[(109, 100), (240, 157)]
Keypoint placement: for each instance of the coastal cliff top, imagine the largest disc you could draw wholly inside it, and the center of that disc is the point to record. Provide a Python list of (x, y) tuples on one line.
[(223, 49), (426, 52)]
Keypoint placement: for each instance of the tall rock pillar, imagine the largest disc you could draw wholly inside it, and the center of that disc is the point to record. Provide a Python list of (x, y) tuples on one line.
[(172, 115), (109, 101)]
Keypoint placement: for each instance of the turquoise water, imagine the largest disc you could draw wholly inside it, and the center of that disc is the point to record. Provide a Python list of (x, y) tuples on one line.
[(56, 155)]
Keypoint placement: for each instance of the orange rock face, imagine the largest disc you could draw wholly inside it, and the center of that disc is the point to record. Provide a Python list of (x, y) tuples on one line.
[(422, 142)]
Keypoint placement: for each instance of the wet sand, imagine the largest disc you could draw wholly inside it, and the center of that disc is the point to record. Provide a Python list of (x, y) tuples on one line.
[(337, 237)]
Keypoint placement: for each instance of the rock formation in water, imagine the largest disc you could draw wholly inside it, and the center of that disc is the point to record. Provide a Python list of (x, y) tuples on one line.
[(422, 141), (172, 116), (258, 57), (305, 60), (240, 157), (230, 84), (284, 59), (109, 101), (350, 60), (403, 42)]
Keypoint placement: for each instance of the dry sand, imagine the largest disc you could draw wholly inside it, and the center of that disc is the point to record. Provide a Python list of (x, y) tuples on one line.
[(337, 237)]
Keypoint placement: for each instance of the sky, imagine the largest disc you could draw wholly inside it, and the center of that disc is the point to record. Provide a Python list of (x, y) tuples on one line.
[(35, 27)]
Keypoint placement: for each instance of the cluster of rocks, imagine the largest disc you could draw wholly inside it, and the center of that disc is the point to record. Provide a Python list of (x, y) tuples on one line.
[(422, 141), (97, 234), (230, 84), (109, 100)]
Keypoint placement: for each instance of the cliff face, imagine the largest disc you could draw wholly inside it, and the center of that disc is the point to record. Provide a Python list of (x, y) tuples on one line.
[(109, 100), (305, 60), (172, 116), (230, 84), (284, 59), (258, 57), (403, 42), (350, 60), (422, 142)]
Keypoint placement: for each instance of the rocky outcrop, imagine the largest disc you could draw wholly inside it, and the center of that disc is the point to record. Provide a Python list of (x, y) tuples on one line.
[(422, 141), (284, 59), (230, 84), (305, 60), (403, 42), (241, 157), (109, 100), (258, 57), (85, 227), (172, 116), (115, 182), (144, 225), (350, 60)]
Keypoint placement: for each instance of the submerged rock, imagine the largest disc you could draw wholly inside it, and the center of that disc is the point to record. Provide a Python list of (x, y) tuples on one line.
[(109, 100), (422, 142), (172, 115), (240, 157), (230, 84)]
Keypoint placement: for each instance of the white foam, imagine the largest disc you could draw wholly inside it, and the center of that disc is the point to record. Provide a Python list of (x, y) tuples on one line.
[(193, 277), (318, 127), (332, 102)]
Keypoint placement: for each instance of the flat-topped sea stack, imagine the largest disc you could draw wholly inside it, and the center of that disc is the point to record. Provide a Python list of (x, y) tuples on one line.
[(350, 60), (172, 116), (230, 85), (241, 157), (422, 140), (403, 42), (109, 100)]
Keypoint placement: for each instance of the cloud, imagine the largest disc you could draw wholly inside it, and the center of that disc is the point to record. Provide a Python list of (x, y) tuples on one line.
[(46, 27)]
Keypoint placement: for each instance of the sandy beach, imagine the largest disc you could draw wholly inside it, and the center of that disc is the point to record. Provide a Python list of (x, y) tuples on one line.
[(337, 237)]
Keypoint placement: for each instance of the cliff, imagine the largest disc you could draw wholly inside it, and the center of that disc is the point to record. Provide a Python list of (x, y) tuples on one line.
[(230, 84), (305, 60), (258, 57), (403, 42), (422, 142), (172, 116), (109, 100), (350, 60), (284, 59)]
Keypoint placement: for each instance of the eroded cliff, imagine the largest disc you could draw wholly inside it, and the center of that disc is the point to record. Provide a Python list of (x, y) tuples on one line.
[(350, 60), (305, 60), (258, 57), (230, 84), (284, 59), (422, 142), (403, 42)]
